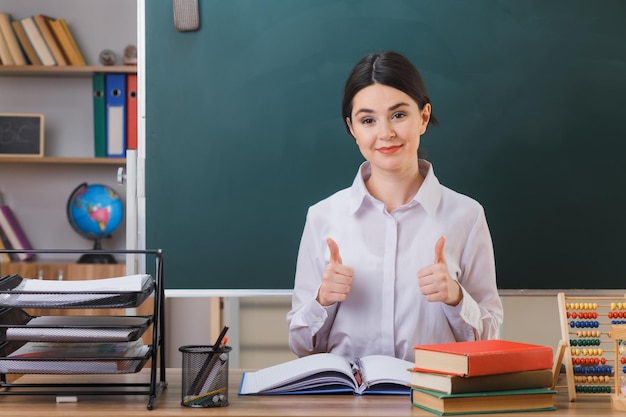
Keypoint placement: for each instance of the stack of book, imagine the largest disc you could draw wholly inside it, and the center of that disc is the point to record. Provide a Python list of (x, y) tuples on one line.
[(490, 376), (37, 40)]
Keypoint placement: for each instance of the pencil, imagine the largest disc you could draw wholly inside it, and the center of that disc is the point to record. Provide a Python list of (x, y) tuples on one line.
[(209, 363), (196, 398)]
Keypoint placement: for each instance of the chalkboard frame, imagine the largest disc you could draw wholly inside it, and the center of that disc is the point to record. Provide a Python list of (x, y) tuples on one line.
[(34, 148)]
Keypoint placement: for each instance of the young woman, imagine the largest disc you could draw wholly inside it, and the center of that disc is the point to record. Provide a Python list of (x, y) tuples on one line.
[(397, 259)]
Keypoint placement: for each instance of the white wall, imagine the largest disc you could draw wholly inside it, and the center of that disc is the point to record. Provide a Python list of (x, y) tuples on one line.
[(263, 331)]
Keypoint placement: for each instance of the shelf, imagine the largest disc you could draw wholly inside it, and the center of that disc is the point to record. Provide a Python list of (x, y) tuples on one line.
[(64, 95), (61, 160), (39, 70)]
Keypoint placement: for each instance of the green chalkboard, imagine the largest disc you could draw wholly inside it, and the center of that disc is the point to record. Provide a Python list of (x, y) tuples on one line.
[(244, 132)]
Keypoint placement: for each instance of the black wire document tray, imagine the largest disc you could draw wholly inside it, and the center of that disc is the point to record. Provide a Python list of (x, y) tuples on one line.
[(128, 291), (85, 337), (18, 325)]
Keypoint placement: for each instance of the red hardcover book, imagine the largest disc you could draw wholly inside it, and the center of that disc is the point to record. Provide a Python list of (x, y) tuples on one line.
[(483, 357), (14, 233), (131, 111)]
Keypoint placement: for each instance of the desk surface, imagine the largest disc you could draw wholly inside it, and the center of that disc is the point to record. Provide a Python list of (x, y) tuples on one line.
[(168, 403)]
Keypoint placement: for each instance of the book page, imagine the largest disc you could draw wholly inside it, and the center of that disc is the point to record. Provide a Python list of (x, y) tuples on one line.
[(386, 369), (76, 328), (33, 357), (128, 283), (53, 367), (72, 334), (79, 350), (302, 373), (89, 321)]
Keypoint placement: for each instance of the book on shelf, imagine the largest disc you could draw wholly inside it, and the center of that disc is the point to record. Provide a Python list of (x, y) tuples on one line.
[(43, 25), (131, 111), (14, 233), (99, 115), (5, 54), (330, 374), (65, 39), (11, 39), (38, 42), (25, 42), (482, 357), (4, 244), (115, 116), (455, 384), (536, 399), (81, 58)]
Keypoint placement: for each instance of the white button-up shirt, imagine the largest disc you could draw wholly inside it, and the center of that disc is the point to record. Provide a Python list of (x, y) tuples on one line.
[(385, 312)]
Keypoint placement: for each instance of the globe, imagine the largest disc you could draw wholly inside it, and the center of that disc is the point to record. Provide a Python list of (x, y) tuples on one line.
[(95, 211)]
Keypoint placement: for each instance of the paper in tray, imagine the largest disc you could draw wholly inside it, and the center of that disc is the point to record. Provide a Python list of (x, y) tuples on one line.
[(128, 291), (70, 361), (17, 325)]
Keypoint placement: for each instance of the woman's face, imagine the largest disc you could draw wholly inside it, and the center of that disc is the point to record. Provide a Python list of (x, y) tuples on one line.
[(387, 124)]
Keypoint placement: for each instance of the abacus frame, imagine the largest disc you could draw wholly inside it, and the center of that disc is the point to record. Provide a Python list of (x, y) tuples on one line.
[(605, 338)]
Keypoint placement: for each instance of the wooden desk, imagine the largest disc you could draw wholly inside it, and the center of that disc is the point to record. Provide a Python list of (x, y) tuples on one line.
[(168, 403)]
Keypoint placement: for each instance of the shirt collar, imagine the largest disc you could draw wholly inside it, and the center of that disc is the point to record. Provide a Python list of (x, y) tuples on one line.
[(428, 196)]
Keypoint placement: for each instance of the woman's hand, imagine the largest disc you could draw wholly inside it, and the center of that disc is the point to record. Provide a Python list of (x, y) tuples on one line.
[(336, 279), (435, 282)]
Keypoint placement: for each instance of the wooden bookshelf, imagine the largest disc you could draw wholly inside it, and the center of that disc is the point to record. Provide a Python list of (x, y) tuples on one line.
[(61, 160), (71, 71), (40, 70), (40, 185)]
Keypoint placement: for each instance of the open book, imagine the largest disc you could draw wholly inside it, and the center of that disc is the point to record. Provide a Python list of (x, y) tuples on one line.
[(328, 373)]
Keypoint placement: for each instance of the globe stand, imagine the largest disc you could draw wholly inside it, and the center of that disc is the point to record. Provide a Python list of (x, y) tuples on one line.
[(97, 258)]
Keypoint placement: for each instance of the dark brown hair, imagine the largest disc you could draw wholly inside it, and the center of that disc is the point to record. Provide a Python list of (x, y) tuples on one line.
[(386, 68)]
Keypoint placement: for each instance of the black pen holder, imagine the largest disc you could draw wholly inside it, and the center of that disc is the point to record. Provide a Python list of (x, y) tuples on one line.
[(205, 376)]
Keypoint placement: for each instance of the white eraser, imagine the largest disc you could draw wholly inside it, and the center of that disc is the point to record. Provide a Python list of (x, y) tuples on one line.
[(67, 399)]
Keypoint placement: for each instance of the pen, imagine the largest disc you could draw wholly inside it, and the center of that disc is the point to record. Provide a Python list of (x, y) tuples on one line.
[(209, 363), (218, 342)]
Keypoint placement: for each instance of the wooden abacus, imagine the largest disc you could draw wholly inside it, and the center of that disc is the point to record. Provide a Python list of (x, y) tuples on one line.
[(618, 334), (591, 361)]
